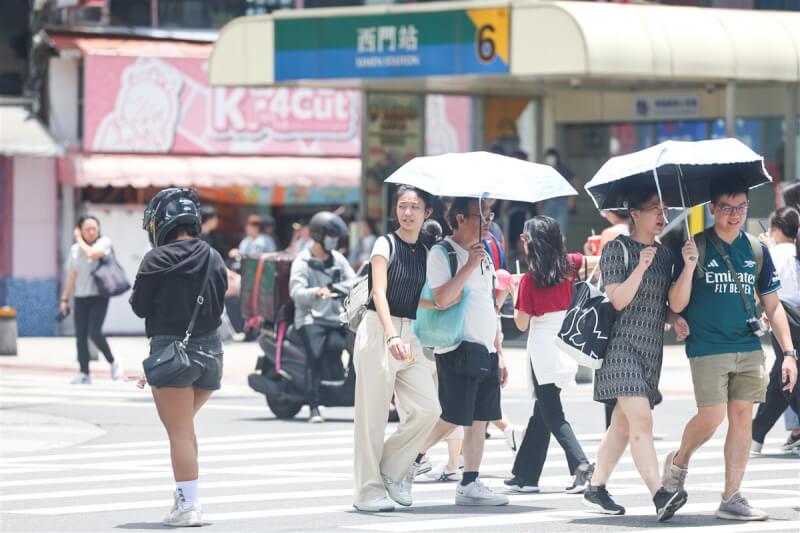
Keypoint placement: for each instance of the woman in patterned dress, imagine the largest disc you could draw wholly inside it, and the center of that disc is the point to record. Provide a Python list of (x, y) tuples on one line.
[(637, 273)]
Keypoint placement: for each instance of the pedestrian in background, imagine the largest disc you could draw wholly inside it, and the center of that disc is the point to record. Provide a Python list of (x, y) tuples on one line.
[(361, 252), (389, 360), (559, 208), (783, 243), (541, 302), (171, 277), (255, 241), (637, 272), (90, 306)]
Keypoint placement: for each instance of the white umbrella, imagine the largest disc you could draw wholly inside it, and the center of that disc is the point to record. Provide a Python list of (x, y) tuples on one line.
[(483, 175)]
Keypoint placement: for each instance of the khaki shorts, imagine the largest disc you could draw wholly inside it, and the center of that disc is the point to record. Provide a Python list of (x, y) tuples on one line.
[(729, 376)]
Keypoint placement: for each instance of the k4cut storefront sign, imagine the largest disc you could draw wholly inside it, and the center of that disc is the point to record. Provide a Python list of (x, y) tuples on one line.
[(472, 41)]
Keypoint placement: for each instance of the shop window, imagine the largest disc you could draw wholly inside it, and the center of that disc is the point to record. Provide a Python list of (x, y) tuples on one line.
[(14, 45)]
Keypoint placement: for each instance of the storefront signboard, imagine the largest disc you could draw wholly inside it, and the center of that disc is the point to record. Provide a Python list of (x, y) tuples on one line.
[(165, 106), (667, 106), (439, 43)]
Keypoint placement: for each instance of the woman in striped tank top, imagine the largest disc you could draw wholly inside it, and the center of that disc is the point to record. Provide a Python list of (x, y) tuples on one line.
[(388, 360)]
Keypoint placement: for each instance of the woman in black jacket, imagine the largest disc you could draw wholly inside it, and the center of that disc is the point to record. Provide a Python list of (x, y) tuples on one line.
[(165, 292)]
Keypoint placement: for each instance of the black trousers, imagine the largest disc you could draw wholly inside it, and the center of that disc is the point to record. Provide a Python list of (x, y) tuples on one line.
[(90, 313), (323, 345), (548, 418), (777, 400)]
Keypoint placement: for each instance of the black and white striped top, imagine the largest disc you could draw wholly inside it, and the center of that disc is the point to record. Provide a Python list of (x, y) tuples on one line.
[(405, 277)]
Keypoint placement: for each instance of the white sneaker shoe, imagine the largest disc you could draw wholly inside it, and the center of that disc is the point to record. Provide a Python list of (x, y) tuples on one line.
[(116, 371), (755, 448), (82, 379), (398, 492), (180, 517), (378, 505), (442, 474), (424, 467), (514, 436), (476, 493)]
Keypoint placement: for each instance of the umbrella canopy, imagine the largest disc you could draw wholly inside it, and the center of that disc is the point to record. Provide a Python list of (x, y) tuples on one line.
[(483, 174), (695, 164)]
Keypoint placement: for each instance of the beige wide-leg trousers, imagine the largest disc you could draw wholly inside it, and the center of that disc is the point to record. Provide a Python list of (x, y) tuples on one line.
[(378, 376)]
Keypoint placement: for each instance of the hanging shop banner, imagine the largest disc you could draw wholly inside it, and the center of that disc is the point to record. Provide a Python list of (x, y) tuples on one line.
[(280, 196), (471, 41), (394, 135), (448, 124), (165, 105)]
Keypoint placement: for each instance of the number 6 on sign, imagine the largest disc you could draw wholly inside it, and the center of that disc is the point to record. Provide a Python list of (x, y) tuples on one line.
[(485, 43)]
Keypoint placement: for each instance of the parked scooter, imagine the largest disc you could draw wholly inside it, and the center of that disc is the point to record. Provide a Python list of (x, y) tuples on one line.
[(281, 370)]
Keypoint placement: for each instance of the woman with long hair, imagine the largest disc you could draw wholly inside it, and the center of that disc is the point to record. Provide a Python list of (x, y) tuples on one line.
[(637, 272), (783, 241), (172, 276), (90, 307), (541, 301), (389, 360)]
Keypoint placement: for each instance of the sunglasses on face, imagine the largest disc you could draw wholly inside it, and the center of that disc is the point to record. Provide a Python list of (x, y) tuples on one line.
[(728, 210)]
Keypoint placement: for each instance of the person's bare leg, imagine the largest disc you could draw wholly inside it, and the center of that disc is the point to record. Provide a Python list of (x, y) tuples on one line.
[(201, 396), (611, 448), (640, 437), (454, 447), (698, 431), (474, 440), (176, 410), (502, 424), (439, 431), (737, 444)]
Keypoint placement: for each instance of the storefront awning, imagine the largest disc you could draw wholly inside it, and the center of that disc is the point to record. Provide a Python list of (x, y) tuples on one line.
[(98, 170), (123, 46), (564, 43), (21, 133)]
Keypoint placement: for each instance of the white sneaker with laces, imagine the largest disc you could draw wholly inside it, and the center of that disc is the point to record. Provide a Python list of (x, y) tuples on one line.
[(442, 474), (378, 505), (476, 493), (116, 371), (180, 517), (424, 466), (82, 379), (398, 492), (755, 448)]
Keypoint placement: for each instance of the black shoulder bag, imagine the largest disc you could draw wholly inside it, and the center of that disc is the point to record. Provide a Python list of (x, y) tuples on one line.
[(163, 366)]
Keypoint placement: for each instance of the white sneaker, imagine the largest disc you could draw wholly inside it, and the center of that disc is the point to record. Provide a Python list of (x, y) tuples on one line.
[(180, 517), (378, 505), (116, 371), (514, 436), (755, 448), (82, 379), (398, 492), (476, 493), (425, 466), (442, 474)]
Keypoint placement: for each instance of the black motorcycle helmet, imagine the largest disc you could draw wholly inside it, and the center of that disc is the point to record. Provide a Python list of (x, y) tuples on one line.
[(169, 209), (326, 225)]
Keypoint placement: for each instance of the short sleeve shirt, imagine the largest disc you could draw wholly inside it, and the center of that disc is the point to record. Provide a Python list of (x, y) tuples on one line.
[(480, 322), (84, 282), (716, 315), (536, 301)]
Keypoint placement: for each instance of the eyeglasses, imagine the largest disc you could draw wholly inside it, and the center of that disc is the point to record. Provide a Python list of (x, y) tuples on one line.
[(488, 217), (728, 210)]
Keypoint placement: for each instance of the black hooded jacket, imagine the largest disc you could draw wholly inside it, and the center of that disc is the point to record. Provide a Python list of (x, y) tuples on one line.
[(167, 285)]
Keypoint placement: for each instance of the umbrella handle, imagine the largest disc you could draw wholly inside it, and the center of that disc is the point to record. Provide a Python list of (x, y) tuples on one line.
[(683, 205)]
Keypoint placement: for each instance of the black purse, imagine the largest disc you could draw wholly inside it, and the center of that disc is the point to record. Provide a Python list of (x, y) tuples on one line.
[(110, 277), (163, 366), (473, 360)]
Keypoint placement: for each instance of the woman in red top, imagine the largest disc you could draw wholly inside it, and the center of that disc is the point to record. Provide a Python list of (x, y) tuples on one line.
[(542, 300)]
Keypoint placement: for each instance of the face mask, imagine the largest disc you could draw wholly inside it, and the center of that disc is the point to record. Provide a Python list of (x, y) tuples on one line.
[(329, 243), (551, 160)]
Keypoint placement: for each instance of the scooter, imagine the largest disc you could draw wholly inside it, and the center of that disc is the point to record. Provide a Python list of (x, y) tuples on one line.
[(281, 371)]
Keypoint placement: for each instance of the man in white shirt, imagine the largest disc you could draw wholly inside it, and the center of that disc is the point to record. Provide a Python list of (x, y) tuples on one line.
[(468, 401)]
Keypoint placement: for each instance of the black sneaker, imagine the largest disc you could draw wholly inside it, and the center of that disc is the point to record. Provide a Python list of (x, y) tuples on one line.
[(668, 503), (598, 499), (517, 484), (583, 476)]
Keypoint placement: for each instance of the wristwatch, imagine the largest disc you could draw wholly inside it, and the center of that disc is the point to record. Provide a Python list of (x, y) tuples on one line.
[(791, 353)]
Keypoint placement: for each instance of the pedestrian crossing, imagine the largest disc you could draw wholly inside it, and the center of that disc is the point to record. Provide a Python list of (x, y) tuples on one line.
[(280, 476)]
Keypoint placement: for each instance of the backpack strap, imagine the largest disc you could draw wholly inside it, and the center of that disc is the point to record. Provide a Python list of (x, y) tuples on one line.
[(450, 252), (758, 252), (390, 240)]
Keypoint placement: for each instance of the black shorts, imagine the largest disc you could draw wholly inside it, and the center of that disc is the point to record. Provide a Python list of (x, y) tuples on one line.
[(204, 352), (465, 399)]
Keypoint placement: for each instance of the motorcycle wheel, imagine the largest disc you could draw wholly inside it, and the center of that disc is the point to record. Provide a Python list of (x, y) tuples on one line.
[(284, 409)]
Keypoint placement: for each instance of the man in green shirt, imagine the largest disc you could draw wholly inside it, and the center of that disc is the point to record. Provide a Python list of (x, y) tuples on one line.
[(724, 346)]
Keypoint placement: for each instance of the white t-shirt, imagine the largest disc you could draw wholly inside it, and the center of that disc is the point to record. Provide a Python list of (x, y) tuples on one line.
[(84, 282), (784, 257), (381, 247), (480, 319)]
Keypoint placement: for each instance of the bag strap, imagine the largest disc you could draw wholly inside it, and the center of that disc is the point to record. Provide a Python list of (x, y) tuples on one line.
[(200, 299), (390, 240), (725, 257), (758, 252), (452, 258)]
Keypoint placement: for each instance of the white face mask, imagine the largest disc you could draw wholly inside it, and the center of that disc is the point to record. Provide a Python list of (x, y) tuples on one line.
[(551, 160), (329, 243)]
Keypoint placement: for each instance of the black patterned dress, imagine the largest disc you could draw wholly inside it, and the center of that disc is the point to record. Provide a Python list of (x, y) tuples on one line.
[(632, 366)]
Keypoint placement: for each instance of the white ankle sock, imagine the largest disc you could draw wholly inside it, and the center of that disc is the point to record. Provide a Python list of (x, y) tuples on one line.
[(187, 493)]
